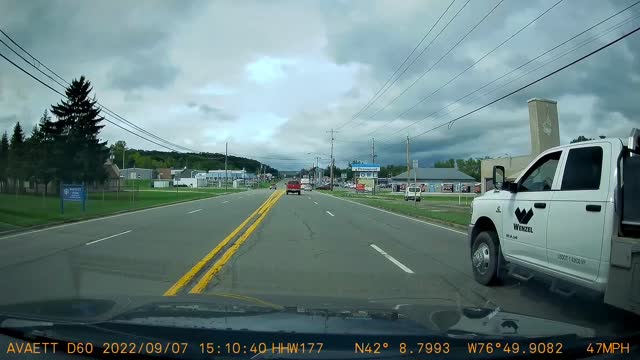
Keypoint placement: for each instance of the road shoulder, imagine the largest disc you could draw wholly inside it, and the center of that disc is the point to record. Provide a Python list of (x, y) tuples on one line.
[(428, 220)]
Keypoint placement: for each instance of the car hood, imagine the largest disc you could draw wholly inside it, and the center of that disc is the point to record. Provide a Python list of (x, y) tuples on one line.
[(293, 314)]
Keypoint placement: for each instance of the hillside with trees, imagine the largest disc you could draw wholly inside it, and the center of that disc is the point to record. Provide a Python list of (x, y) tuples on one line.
[(154, 159)]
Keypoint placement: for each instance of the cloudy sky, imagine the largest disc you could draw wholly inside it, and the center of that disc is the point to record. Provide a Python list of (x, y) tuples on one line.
[(272, 77)]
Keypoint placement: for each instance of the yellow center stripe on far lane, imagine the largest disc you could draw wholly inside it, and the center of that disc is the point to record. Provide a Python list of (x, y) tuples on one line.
[(186, 278), (206, 278)]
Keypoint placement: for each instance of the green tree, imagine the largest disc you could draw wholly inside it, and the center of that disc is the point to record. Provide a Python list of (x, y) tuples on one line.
[(119, 152), (451, 163), (470, 167), (4, 161), (17, 148), (80, 154), (580, 139), (40, 146), (392, 170)]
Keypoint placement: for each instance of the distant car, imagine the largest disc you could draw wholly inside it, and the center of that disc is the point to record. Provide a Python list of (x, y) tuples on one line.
[(294, 186), (412, 193), (272, 187), (324, 187)]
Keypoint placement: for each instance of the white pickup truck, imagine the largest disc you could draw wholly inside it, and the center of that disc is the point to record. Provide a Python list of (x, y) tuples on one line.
[(572, 217)]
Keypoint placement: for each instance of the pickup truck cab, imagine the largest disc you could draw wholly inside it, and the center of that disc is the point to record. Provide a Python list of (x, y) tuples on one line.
[(571, 217), (293, 186)]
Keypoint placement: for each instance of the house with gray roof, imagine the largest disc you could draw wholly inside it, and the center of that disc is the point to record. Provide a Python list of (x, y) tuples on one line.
[(435, 180)]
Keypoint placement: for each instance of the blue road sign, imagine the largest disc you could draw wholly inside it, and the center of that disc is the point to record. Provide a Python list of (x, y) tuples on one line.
[(72, 193)]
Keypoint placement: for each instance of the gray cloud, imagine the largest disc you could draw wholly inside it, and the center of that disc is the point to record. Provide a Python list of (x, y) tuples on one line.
[(143, 71), (7, 122), (158, 58), (211, 112)]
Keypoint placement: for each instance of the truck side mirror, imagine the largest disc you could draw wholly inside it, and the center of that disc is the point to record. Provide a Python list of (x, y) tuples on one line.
[(498, 177)]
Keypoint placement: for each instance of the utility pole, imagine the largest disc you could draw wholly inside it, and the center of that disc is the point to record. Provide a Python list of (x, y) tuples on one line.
[(124, 149), (332, 161), (373, 161), (408, 165), (318, 176), (226, 173)]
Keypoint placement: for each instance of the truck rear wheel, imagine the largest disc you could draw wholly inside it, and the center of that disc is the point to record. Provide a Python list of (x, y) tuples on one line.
[(485, 256)]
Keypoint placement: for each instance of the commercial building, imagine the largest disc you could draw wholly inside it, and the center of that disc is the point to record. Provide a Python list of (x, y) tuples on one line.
[(138, 173), (164, 174), (545, 134), (435, 180)]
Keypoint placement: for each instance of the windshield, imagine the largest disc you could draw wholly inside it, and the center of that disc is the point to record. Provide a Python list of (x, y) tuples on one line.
[(311, 155)]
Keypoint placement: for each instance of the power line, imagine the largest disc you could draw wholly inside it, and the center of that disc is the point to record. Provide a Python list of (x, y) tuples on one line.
[(603, 33), (378, 93), (34, 59), (532, 83), (424, 73), (106, 109), (103, 107), (63, 95), (527, 63), (607, 31), (468, 68)]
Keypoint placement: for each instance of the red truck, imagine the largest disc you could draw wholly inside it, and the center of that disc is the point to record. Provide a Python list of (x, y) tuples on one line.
[(294, 186)]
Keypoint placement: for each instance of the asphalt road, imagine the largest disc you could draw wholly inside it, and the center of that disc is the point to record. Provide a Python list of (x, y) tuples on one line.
[(312, 245)]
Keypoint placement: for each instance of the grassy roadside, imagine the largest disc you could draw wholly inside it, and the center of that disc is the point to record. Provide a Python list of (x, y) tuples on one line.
[(443, 209), (24, 211)]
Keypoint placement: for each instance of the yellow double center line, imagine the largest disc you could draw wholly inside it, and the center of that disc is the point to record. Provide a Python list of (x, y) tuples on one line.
[(199, 287)]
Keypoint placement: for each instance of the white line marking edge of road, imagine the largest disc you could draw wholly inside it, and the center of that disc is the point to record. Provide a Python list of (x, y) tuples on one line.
[(329, 212), (400, 215), (226, 201), (112, 216), (194, 211), (315, 202), (392, 259), (108, 237)]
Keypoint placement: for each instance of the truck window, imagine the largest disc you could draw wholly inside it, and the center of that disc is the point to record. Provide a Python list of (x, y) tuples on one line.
[(583, 169), (540, 176)]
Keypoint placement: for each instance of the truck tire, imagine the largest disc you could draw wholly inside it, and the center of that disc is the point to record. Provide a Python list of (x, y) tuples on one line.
[(485, 256)]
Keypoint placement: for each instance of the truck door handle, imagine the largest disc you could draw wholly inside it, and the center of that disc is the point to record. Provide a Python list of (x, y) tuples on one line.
[(594, 208), (540, 205)]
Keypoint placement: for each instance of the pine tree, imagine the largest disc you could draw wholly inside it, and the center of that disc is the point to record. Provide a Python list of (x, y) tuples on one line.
[(39, 152), (16, 168), (4, 161), (79, 154)]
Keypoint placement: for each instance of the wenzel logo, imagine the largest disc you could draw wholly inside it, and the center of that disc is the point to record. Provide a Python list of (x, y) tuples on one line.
[(523, 217)]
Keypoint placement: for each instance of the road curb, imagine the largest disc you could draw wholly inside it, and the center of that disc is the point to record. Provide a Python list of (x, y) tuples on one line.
[(431, 221), (97, 217)]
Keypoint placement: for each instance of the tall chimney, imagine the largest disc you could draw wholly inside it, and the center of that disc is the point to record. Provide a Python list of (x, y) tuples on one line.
[(543, 120)]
